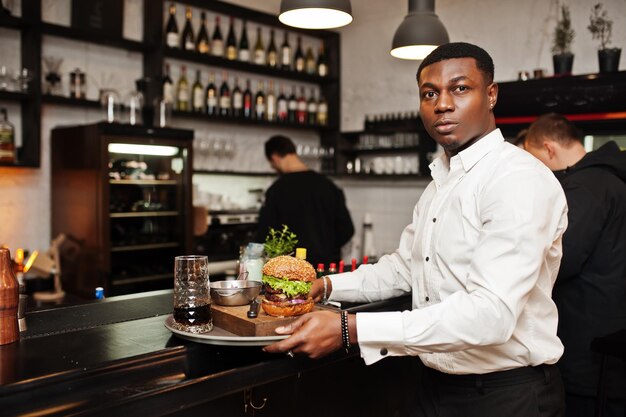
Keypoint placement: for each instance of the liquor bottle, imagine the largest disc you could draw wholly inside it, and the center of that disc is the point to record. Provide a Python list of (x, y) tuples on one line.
[(312, 108), (217, 42), (302, 107), (197, 94), (237, 100), (342, 265), (259, 49), (301, 253), (310, 61), (182, 91), (171, 29), (231, 41), (282, 108), (299, 57), (244, 48), (322, 112), (353, 265), (332, 268), (272, 52), (259, 103), (292, 106), (9, 299), (167, 85), (225, 96), (187, 42), (7, 139), (271, 103), (247, 101), (202, 43), (322, 65), (211, 96), (320, 270), (285, 53)]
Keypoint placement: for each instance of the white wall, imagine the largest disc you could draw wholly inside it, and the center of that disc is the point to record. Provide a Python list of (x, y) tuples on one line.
[(517, 34)]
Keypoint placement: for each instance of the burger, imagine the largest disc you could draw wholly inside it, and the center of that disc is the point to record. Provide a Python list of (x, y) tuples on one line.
[(287, 281)]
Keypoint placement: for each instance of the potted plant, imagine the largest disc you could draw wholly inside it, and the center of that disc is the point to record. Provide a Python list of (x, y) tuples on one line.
[(601, 28), (562, 57)]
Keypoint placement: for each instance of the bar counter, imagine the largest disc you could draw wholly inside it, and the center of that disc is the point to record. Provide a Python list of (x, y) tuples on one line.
[(115, 357)]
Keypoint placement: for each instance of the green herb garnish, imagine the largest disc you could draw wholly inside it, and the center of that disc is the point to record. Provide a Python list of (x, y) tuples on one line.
[(279, 242)]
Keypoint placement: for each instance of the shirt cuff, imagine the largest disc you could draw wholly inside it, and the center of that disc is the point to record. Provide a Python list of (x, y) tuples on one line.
[(380, 335), (344, 285)]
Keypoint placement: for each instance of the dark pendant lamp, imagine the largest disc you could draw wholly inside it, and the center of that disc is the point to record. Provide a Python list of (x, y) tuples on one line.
[(420, 32), (315, 14)]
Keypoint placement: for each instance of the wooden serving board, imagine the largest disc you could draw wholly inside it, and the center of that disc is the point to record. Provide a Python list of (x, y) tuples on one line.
[(235, 320)]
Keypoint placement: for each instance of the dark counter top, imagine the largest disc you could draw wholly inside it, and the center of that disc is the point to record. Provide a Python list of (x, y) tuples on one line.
[(117, 356)]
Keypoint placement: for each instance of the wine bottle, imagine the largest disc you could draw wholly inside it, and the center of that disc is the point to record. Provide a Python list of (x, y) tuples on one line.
[(299, 57), (182, 92), (271, 103), (282, 108), (187, 42), (272, 52), (171, 29), (237, 110), (259, 49), (285, 53), (211, 96), (322, 65), (7, 138), (244, 48), (322, 112), (167, 85), (302, 107), (225, 96), (247, 101), (259, 102), (217, 42), (197, 94), (310, 61), (312, 108), (231, 41), (292, 106), (202, 43)]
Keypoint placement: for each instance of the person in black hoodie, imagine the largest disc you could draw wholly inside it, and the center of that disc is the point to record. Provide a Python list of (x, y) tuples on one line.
[(311, 205), (590, 291)]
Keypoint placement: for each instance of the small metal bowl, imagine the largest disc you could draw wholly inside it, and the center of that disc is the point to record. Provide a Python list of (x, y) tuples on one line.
[(234, 292)]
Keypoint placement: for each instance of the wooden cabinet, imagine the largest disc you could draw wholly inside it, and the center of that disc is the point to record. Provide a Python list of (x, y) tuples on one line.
[(129, 207)]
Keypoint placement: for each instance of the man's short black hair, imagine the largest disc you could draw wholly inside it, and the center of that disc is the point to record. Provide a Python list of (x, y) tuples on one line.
[(279, 145), (460, 50)]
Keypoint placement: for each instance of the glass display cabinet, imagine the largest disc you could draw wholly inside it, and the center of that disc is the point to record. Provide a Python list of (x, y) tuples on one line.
[(124, 192)]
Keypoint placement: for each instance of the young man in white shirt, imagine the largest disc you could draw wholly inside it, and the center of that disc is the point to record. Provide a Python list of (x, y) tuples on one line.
[(480, 258)]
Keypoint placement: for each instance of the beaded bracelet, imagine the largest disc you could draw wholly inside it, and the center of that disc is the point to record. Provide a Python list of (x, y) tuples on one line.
[(325, 297), (345, 334)]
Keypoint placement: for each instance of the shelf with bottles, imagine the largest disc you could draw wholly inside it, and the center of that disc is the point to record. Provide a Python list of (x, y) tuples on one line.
[(69, 32), (267, 54), (226, 101)]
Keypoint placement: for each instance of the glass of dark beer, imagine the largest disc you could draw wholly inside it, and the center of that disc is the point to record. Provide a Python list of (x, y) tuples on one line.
[(192, 300)]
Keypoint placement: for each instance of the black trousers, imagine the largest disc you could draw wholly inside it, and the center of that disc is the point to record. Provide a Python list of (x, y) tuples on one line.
[(524, 392)]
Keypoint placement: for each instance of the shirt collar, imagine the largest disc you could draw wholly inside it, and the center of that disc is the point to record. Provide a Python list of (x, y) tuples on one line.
[(470, 156)]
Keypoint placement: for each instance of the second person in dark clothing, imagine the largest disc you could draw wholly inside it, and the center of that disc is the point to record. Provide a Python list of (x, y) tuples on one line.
[(590, 290), (311, 205)]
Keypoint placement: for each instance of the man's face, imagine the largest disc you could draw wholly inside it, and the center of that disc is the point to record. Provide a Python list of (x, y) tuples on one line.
[(456, 103)]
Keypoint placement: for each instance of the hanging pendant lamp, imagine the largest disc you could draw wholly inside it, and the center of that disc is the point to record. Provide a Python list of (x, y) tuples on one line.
[(420, 32), (315, 14)]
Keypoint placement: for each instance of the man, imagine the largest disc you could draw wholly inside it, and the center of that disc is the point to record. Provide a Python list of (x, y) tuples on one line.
[(480, 258), (310, 204), (590, 291)]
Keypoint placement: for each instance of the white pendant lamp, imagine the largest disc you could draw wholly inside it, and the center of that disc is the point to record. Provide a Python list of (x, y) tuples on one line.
[(315, 14), (420, 32)]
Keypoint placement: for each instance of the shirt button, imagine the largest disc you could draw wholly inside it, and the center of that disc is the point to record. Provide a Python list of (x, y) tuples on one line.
[(427, 298), (434, 219), (384, 351), (427, 258)]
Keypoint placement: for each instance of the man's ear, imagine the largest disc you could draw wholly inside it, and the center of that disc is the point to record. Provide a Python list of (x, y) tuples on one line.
[(492, 93), (551, 148)]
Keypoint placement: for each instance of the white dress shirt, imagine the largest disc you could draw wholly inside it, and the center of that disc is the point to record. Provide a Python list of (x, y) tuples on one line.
[(480, 257)]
